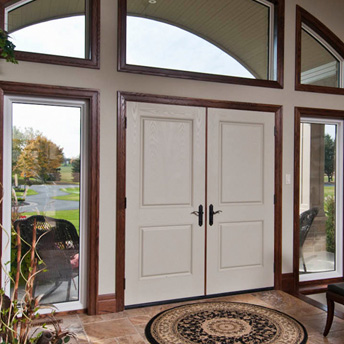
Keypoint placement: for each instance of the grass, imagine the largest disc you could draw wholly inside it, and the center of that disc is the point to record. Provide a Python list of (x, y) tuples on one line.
[(70, 215), (30, 192), (66, 174), (73, 194), (328, 191)]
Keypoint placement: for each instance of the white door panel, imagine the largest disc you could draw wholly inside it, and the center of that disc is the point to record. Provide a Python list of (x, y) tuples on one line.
[(165, 181), (240, 247), (165, 166)]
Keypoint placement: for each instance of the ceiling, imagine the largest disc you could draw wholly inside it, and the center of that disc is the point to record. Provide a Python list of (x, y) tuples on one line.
[(239, 27), (38, 11)]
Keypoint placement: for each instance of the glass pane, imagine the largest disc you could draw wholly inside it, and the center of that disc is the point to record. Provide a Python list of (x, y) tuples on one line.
[(45, 198), (43, 27), (221, 37), (318, 198), (318, 65)]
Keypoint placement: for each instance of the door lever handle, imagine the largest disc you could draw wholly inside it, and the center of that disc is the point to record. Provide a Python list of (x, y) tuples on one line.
[(212, 213), (199, 213)]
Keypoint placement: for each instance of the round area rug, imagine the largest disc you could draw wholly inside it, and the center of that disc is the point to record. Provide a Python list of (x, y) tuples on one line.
[(224, 323)]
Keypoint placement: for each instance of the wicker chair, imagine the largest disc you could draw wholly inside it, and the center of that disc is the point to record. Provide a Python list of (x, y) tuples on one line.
[(306, 220), (58, 247)]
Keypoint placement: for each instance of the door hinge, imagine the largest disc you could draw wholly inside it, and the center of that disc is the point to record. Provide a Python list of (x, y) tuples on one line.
[(275, 131), (125, 203), (274, 267), (124, 283), (275, 199), (125, 122)]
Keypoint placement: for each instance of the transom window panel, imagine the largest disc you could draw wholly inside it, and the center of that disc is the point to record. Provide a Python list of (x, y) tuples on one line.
[(233, 38), (319, 56), (62, 29), (319, 66)]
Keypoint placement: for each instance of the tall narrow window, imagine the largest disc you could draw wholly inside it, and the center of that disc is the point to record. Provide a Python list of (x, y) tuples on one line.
[(321, 199), (200, 39), (45, 197)]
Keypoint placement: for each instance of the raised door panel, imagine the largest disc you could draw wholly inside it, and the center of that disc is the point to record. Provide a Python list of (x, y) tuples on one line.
[(241, 185), (165, 184)]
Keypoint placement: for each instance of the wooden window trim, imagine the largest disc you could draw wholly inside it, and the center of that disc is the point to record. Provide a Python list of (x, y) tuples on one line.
[(93, 62), (304, 17), (301, 112), (122, 66), (92, 98), (123, 97)]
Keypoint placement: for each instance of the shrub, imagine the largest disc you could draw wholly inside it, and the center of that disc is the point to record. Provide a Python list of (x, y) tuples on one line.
[(330, 210)]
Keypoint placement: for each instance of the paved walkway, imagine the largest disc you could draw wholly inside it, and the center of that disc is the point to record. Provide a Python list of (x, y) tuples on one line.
[(44, 201)]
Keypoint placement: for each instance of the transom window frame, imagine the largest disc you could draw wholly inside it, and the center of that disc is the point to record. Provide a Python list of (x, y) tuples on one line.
[(93, 43), (276, 67), (325, 37)]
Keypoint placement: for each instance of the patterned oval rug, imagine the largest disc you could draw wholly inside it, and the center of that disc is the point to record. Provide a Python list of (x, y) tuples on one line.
[(224, 323)]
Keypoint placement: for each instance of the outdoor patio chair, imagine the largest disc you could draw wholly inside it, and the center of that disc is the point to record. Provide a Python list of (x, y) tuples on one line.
[(306, 220), (334, 293), (58, 247)]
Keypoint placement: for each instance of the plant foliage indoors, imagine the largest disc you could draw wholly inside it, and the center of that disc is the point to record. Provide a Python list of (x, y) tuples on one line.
[(7, 47), (19, 314)]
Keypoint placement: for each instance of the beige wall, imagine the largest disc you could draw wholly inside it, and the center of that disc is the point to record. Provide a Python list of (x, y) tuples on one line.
[(109, 81)]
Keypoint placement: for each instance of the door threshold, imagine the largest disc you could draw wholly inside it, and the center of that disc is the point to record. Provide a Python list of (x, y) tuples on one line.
[(195, 298)]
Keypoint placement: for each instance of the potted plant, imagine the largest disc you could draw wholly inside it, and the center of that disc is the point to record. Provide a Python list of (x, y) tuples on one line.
[(7, 47), (18, 314)]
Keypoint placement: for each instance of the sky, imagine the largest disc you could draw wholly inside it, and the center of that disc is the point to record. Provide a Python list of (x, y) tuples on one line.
[(175, 48), (59, 124), (64, 37)]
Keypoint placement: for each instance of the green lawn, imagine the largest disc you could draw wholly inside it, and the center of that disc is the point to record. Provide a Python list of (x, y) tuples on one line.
[(30, 192), (66, 174), (328, 191), (70, 215), (73, 194)]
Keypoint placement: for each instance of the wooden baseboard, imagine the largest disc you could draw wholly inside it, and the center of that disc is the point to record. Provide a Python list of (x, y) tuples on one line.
[(106, 303), (288, 283)]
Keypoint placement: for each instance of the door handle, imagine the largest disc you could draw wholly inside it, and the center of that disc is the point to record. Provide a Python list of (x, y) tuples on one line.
[(199, 213), (212, 213)]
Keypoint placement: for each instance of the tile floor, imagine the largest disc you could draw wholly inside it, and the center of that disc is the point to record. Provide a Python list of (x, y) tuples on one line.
[(128, 327)]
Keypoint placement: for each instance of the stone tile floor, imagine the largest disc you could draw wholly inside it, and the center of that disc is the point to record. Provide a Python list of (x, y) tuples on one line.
[(128, 327)]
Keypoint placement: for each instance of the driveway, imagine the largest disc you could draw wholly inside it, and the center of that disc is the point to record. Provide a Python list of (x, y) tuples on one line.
[(44, 200)]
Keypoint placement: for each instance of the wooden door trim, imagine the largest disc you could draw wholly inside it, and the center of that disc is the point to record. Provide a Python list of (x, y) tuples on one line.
[(310, 113), (92, 98), (123, 97)]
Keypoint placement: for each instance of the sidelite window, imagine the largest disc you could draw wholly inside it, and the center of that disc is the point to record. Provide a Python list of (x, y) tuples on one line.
[(320, 65), (234, 38), (60, 30), (321, 199), (44, 200)]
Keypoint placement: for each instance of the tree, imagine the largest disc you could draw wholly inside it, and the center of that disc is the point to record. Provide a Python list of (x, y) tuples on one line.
[(330, 151), (41, 159), (76, 170), (20, 139)]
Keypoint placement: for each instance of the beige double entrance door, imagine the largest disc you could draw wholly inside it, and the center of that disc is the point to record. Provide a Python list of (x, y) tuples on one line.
[(200, 212)]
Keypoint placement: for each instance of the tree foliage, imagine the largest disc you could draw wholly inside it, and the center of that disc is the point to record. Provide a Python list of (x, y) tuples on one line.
[(19, 140), (76, 170), (330, 151), (40, 159)]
